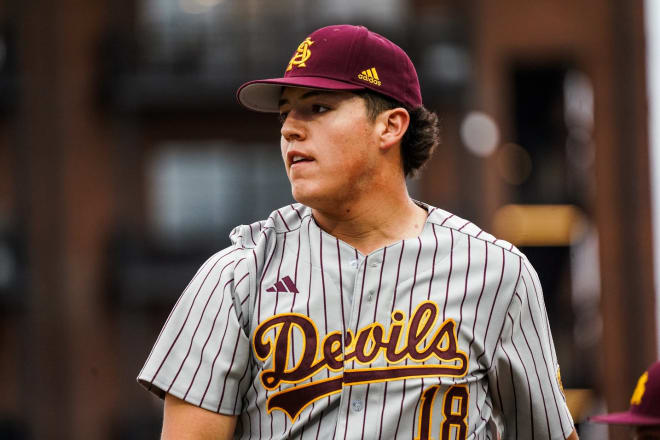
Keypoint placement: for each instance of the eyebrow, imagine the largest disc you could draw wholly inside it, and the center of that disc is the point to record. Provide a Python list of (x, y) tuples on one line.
[(309, 94)]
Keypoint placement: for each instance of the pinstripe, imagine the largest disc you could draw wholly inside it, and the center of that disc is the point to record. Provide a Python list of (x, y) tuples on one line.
[(296, 211), (192, 339), (293, 301), (350, 389), (464, 225), (380, 283), (341, 288), (184, 323), (260, 418), (396, 284), (206, 263), (283, 221), (465, 291), (529, 389), (295, 275), (538, 377), (259, 289), (252, 236), (499, 393), (224, 384), (216, 358), (483, 388), (277, 297), (243, 302), (203, 347), (247, 368), (309, 288), (513, 387), (545, 361), (451, 267), (536, 294), (410, 313), (325, 303), (414, 277), (279, 268), (502, 329), (403, 397), (492, 308), (435, 253)]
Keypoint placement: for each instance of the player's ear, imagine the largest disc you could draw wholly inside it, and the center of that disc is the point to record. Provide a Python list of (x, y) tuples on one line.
[(392, 127)]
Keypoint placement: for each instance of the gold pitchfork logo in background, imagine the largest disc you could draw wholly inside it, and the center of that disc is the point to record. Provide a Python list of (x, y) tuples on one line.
[(302, 54), (636, 398)]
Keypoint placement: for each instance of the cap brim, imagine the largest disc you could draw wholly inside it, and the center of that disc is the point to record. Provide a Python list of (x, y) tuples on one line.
[(264, 95), (625, 418)]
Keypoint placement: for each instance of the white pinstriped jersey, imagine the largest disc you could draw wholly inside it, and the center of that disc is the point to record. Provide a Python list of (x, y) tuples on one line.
[(300, 335)]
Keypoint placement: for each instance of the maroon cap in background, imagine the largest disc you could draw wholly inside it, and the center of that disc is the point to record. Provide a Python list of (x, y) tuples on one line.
[(644, 403), (340, 57)]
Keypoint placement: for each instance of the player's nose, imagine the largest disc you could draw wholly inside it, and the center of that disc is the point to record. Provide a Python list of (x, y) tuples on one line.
[(293, 128)]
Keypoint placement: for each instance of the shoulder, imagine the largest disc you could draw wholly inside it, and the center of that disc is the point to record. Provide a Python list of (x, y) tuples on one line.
[(260, 240), (447, 220), (507, 256), (286, 219)]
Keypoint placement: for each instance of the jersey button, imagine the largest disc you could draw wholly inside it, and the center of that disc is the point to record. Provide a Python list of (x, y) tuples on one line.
[(354, 264), (356, 405), (370, 296)]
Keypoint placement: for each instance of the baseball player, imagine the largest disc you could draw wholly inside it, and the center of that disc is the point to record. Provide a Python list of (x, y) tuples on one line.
[(644, 413), (357, 313)]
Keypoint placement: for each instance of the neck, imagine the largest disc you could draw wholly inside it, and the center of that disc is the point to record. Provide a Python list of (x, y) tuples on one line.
[(375, 221)]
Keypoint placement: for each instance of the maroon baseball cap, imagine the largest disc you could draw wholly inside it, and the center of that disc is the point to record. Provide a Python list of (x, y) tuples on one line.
[(340, 57), (644, 403)]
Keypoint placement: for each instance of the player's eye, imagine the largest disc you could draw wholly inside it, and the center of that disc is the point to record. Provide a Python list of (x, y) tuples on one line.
[(282, 117), (318, 108)]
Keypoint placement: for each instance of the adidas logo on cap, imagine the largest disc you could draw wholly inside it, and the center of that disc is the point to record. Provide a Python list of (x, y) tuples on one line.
[(370, 76)]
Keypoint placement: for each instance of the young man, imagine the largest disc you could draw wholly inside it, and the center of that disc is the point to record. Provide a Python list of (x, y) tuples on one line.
[(358, 312), (644, 413)]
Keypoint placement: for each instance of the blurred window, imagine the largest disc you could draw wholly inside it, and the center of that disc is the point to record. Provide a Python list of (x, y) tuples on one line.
[(197, 189), (225, 39)]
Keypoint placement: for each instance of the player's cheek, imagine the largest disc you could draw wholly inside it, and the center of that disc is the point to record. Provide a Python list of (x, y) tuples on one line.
[(283, 144)]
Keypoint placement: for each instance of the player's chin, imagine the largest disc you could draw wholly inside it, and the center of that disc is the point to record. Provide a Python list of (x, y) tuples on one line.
[(306, 192)]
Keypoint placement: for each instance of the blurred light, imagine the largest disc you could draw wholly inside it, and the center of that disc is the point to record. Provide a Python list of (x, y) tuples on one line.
[(514, 163), (578, 100), (539, 225), (580, 149), (479, 134), (197, 6)]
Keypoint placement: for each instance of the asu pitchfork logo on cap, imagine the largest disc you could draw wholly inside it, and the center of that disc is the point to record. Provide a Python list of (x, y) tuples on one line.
[(302, 54), (640, 389)]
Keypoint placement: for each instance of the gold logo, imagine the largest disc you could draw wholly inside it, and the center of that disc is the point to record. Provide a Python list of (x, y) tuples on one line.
[(561, 385), (636, 398), (302, 54), (370, 76)]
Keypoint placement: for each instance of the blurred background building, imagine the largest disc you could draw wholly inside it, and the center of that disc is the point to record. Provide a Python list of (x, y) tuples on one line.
[(125, 161)]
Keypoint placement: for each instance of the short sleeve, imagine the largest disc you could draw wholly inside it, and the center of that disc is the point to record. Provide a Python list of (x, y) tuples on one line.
[(524, 378), (202, 353)]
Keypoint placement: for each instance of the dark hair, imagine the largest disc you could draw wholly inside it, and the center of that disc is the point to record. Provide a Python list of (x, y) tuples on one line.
[(421, 137)]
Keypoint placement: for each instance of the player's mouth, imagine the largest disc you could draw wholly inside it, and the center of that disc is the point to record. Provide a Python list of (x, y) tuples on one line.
[(296, 159)]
